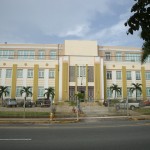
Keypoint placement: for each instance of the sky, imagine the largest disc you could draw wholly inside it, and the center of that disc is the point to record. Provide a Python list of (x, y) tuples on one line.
[(53, 21)]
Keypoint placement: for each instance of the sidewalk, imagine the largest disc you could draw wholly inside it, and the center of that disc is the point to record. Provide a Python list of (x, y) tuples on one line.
[(68, 120)]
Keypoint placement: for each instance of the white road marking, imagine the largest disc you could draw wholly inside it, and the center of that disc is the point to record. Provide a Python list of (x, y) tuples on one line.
[(15, 139)]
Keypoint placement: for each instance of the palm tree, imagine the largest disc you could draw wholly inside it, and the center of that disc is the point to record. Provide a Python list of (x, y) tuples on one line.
[(27, 92), (115, 88), (49, 92), (3, 91), (145, 51), (136, 87)]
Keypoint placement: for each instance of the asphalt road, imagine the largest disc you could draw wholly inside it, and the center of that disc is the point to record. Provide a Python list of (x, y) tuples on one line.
[(102, 135)]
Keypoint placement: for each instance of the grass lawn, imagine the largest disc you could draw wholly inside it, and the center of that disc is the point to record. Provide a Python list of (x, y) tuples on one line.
[(143, 111), (20, 114), (11, 114)]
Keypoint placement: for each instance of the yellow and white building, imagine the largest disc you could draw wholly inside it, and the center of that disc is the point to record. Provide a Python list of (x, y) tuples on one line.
[(71, 67)]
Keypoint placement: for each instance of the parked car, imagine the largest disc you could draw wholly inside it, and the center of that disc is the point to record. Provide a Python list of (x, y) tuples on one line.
[(10, 102), (42, 102), (146, 103), (131, 104), (28, 103)]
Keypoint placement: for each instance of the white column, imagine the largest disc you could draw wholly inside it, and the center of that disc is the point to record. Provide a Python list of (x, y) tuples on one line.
[(3, 76), (25, 77), (46, 77)]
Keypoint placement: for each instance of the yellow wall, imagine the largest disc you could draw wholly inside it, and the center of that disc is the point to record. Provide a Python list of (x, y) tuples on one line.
[(56, 84), (35, 82), (86, 96), (105, 89), (124, 82), (14, 79), (65, 81), (97, 81), (143, 82)]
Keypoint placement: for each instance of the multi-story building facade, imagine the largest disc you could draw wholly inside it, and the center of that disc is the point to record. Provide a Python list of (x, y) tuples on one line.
[(71, 67)]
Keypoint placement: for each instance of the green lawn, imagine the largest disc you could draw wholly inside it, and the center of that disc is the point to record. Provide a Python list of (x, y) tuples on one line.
[(143, 111), (11, 114)]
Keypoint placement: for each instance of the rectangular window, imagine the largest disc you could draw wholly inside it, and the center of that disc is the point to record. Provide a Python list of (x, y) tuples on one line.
[(132, 57), (51, 73), (9, 91), (138, 75), (128, 75), (148, 75), (26, 54), (18, 89), (119, 94), (81, 71), (31, 90), (8, 73), (109, 74), (19, 73), (41, 73), (118, 75), (41, 54), (138, 94), (148, 91), (107, 56), (0, 73), (129, 92), (118, 56), (41, 91), (30, 73), (6, 54), (53, 54), (109, 93)]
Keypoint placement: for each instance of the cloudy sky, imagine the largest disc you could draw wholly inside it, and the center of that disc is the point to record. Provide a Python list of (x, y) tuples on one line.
[(53, 21)]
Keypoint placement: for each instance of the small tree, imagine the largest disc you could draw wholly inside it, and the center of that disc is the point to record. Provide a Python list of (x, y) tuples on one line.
[(3, 91), (49, 92), (27, 92), (136, 87), (115, 88)]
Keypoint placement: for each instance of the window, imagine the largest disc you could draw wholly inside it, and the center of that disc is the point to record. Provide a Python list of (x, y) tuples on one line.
[(51, 73), (8, 73), (6, 54), (30, 91), (107, 56), (118, 56), (41, 91), (9, 91), (26, 54), (148, 91), (53, 54), (0, 73), (109, 75), (132, 57), (128, 75), (109, 93), (19, 73), (41, 54), (18, 89), (129, 92), (81, 71), (138, 93), (138, 76), (119, 94), (148, 75), (41, 73), (30, 73), (118, 75)]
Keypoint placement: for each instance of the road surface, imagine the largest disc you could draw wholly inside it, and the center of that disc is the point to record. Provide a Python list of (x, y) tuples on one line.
[(102, 135)]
